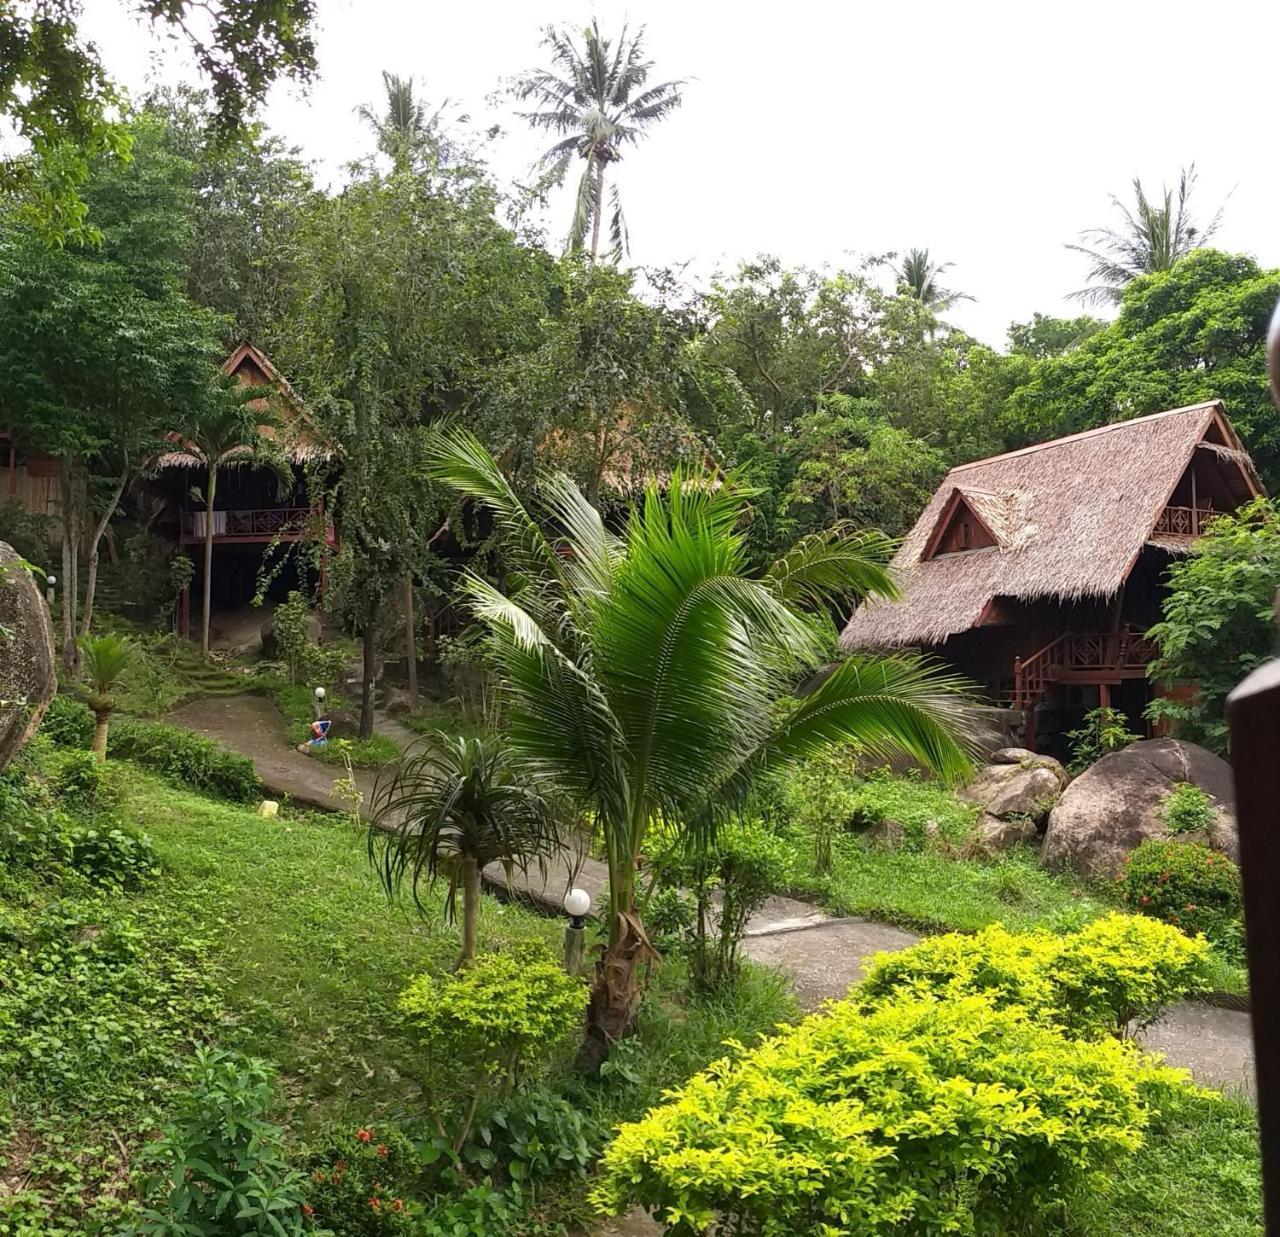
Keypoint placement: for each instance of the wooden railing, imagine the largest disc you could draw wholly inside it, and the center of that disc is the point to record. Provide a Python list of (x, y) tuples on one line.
[(1080, 657), (1184, 521), (261, 522)]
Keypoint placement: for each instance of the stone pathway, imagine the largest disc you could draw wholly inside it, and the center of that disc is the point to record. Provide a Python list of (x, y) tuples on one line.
[(822, 955)]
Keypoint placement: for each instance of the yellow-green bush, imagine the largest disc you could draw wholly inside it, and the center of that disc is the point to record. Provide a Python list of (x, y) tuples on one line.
[(919, 1115), (1090, 983)]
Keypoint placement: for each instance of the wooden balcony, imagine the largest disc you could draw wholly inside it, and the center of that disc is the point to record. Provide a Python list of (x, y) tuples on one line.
[(1089, 657), (260, 525), (1183, 522)]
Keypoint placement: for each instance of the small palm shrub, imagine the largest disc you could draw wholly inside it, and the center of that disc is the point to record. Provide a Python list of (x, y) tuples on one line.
[(1091, 983), (220, 1168), (104, 661), (490, 1025), (1185, 884), (920, 1116)]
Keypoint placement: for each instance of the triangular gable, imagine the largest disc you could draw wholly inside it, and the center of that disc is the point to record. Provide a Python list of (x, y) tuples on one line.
[(960, 527)]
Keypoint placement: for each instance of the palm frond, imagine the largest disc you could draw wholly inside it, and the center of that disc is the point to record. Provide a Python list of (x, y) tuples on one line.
[(834, 565), (105, 659)]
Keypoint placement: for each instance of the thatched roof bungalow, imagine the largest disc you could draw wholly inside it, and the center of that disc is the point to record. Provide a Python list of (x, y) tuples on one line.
[(1040, 569)]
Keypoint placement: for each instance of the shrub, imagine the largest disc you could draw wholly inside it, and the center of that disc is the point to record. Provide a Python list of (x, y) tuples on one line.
[(1187, 809), (500, 1018), (1089, 983), (1104, 730), (533, 1136), (1183, 883), (68, 722), (186, 757), (113, 856), (359, 1182), (918, 1116), (305, 661), (85, 786), (221, 1165)]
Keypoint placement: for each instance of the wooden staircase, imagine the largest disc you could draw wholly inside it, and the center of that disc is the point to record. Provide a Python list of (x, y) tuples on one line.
[(1088, 657)]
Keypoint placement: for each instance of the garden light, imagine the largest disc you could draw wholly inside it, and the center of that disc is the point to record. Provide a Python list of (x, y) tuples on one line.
[(577, 902), (51, 583)]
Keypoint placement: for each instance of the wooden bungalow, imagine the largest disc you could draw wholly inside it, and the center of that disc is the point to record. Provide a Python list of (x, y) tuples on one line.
[(1038, 573), (253, 506)]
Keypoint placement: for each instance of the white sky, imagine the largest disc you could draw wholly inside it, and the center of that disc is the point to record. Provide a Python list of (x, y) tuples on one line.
[(989, 132)]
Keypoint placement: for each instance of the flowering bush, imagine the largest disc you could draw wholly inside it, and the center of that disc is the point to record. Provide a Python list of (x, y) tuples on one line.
[(1183, 883), (360, 1182)]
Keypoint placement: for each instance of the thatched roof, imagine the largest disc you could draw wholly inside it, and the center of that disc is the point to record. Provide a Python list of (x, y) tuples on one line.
[(296, 437), (1069, 519)]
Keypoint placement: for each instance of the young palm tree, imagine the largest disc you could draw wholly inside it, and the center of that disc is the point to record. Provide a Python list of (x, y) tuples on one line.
[(1154, 235), (597, 93), (652, 677), (452, 808), (227, 432), (918, 277), (103, 661)]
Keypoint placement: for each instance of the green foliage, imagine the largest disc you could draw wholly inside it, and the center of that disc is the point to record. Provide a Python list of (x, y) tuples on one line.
[(1187, 809), (1183, 883), (305, 661), (497, 1020), (220, 1167), (350, 1170), (186, 757), (1088, 984), (1104, 730), (923, 1115), (68, 722), (82, 785), (113, 856), (1219, 619), (532, 1137), (376, 752)]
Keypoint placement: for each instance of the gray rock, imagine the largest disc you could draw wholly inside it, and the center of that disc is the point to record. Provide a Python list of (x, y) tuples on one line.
[(28, 679), (993, 834), (1118, 802), (887, 833), (1022, 790), (1014, 756)]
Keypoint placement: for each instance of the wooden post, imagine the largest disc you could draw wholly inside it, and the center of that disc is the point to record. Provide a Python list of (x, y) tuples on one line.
[(1104, 695), (184, 620)]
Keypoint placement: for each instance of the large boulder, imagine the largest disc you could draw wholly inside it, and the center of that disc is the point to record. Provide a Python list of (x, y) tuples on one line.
[(1026, 788), (1118, 802), (28, 679)]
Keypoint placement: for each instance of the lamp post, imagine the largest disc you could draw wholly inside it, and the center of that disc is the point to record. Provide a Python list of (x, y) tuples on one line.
[(577, 902), (50, 590), (319, 707)]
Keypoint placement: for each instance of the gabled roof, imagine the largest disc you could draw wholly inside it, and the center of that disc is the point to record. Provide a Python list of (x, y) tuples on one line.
[(1070, 518)]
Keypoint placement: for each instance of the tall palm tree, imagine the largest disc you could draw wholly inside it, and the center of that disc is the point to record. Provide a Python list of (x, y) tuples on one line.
[(407, 128), (918, 277), (1154, 235), (104, 660), (454, 807), (226, 432), (597, 94), (652, 677)]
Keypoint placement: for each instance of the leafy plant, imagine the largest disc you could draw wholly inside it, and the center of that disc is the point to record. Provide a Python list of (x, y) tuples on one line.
[(533, 1136), (68, 722), (84, 786), (1183, 883), (453, 807), (360, 1182), (487, 1026), (920, 1115), (113, 856), (187, 757), (220, 1166), (1104, 730), (104, 660), (1187, 809), (306, 661)]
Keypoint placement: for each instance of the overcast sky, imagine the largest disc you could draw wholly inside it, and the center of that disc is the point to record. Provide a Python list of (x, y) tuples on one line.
[(990, 133)]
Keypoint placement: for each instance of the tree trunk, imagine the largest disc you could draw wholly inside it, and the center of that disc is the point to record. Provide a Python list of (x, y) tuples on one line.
[(206, 599), (410, 642), (70, 553), (470, 909), (598, 212), (368, 673), (617, 992), (91, 579), (99, 745)]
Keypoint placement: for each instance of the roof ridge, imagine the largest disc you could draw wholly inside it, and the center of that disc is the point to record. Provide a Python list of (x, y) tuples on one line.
[(1092, 433)]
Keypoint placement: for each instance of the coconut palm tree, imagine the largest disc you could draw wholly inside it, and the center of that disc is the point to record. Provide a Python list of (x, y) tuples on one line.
[(452, 808), (652, 677), (103, 662), (1154, 235), (597, 93), (918, 277), (226, 432), (407, 128)]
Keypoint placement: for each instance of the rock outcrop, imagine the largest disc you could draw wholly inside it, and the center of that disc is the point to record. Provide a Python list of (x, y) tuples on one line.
[(1119, 802), (28, 679), (1016, 793)]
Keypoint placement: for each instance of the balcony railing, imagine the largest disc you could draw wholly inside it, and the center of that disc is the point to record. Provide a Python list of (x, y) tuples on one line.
[(288, 522), (1084, 657), (1184, 521)]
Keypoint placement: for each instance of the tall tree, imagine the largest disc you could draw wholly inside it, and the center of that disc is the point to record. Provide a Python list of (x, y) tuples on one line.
[(58, 97), (918, 276), (597, 93), (651, 677), (1154, 234)]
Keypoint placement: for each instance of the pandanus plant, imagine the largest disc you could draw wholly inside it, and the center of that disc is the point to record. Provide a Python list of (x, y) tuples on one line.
[(454, 806), (103, 662), (653, 677)]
